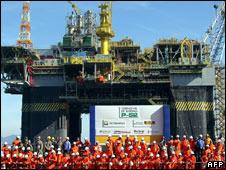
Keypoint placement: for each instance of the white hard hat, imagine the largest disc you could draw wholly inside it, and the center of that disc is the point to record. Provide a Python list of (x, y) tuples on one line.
[(118, 141), (23, 148), (107, 142), (77, 153), (18, 137), (120, 135), (53, 151), (218, 141), (14, 155), (20, 154), (35, 153), (109, 135), (110, 163), (113, 156), (192, 152), (58, 149), (139, 147), (180, 154), (73, 154), (86, 148), (191, 137), (98, 156), (5, 143), (40, 155), (135, 137), (28, 148), (151, 154), (149, 149), (165, 154), (173, 153), (154, 141), (177, 136), (157, 155), (25, 156), (9, 147), (126, 154), (200, 135), (67, 138), (122, 148), (130, 147), (131, 163), (143, 162), (104, 155), (46, 153), (74, 143), (136, 140), (58, 152), (164, 148), (184, 136), (129, 142), (120, 163), (16, 147), (142, 138), (127, 136), (52, 146), (97, 141), (8, 155), (207, 146), (86, 138)]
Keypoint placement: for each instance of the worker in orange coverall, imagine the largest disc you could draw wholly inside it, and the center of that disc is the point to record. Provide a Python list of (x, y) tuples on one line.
[(157, 161), (113, 162), (27, 162), (110, 140), (74, 148), (155, 148), (151, 161), (206, 150), (177, 143), (15, 151), (140, 152), (109, 149), (119, 141), (180, 161), (59, 163), (5, 148), (17, 141), (183, 144), (34, 160), (192, 143), (172, 161), (52, 161), (104, 162), (190, 163), (143, 145), (40, 163), (204, 160), (87, 142), (127, 141), (165, 162)]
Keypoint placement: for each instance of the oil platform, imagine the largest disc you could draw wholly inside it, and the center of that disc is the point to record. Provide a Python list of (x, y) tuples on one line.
[(87, 68)]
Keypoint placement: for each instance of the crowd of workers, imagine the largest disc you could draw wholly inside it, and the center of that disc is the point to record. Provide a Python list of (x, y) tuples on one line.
[(175, 153)]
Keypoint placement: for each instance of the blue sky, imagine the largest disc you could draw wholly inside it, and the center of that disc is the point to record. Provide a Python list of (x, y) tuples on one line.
[(145, 22)]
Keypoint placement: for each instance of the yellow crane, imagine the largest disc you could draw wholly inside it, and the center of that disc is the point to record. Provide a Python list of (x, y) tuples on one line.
[(74, 6)]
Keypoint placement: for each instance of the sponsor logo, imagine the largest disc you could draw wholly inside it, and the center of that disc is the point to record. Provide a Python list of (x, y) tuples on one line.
[(138, 131), (104, 131), (144, 123), (121, 132), (128, 112), (113, 124)]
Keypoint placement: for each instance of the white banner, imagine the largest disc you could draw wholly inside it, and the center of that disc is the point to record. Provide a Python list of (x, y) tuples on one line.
[(132, 120)]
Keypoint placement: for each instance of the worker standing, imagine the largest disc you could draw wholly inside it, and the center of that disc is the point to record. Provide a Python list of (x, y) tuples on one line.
[(48, 144), (192, 143), (67, 146), (17, 141), (200, 145), (38, 146)]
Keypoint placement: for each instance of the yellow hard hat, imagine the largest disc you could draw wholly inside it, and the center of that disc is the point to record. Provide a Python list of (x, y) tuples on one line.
[(49, 137), (207, 135), (53, 138)]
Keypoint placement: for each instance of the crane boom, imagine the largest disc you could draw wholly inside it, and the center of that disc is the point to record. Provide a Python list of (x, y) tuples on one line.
[(215, 35), (74, 6)]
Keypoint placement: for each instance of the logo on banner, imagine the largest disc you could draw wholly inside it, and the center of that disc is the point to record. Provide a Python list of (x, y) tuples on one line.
[(138, 131), (104, 131), (128, 112), (121, 132), (113, 124)]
